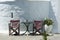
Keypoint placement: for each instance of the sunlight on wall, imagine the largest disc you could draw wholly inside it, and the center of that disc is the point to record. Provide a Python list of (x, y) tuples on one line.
[(6, 0), (5, 15)]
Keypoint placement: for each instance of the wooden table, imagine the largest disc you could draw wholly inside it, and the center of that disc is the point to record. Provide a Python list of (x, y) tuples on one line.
[(27, 25)]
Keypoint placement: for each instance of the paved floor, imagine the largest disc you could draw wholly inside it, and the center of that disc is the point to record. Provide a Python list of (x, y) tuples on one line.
[(7, 37)]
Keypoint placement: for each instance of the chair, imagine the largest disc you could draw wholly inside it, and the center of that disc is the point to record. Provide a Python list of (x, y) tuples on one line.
[(14, 27), (37, 27)]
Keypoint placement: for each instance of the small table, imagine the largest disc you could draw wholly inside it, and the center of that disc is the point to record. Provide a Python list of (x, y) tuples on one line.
[(27, 25)]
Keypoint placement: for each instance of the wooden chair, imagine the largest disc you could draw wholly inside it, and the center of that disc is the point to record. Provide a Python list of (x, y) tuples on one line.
[(37, 27), (14, 27)]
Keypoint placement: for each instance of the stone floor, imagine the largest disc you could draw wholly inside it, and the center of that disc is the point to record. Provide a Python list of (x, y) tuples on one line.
[(39, 37)]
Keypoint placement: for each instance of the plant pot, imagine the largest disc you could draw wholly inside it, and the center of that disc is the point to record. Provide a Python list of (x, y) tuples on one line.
[(48, 29)]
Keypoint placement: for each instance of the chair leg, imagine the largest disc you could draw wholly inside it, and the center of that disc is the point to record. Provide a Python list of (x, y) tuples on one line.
[(37, 31)]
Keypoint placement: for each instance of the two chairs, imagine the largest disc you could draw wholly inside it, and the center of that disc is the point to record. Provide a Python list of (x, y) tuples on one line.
[(14, 27)]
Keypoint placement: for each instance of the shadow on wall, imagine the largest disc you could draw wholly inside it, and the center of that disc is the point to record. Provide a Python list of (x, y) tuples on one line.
[(22, 4), (52, 15)]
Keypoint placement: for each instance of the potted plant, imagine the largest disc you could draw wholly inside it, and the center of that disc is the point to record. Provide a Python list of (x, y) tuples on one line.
[(48, 25)]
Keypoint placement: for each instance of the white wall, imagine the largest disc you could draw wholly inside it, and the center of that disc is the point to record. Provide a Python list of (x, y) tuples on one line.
[(32, 11), (58, 15), (38, 10), (54, 15), (5, 16), (35, 10)]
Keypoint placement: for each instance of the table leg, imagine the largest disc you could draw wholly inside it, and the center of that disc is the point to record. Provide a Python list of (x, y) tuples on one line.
[(27, 30)]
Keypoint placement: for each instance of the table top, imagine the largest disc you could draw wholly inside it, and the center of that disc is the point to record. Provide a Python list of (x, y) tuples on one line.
[(27, 23)]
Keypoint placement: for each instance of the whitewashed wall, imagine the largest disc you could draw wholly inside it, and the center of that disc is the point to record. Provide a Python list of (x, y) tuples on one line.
[(33, 10), (5, 16), (54, 14), (38, 10), (58, 15)]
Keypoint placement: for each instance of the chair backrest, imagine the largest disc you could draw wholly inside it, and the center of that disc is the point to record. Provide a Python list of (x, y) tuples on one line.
[(14, 23), (38, 24)]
